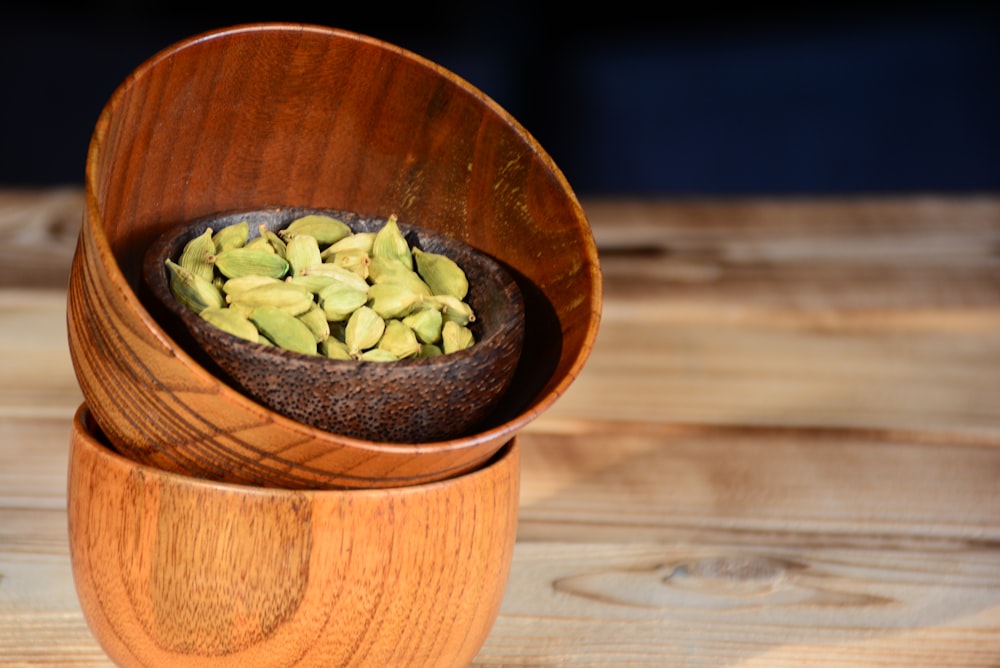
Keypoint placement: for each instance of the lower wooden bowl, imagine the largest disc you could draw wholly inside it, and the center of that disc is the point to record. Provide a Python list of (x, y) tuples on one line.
[(174, 570)]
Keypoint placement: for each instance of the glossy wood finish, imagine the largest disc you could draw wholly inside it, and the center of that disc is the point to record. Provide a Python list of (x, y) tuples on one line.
[(268, 115), (783, 452), (171, 570)]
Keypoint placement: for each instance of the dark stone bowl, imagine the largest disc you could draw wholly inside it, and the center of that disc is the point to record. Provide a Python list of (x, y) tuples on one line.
[(407, 401)]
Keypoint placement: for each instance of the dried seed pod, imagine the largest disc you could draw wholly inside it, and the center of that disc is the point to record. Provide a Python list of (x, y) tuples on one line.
[(301, 252), (390, 243), (335, 349), (248, 261), (455, 337), (378, 355), (195, 292), (232, 286), (315, 320), (364, 329), (231, 321), (234, 235), (426, 324), (453, 309), (340, 300), (382, 270), (391, 300), (313, 283), (357, 261), (430, 350), (198, 255), (333, 271), (289, 298), (276, 242), (284, 329), (441, 273), (325, 229), (261, 244), (359, 241), (399, 340)]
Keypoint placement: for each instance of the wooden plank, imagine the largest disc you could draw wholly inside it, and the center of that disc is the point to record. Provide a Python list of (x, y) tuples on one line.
[(654, 605), (670, 369), (38, 230), (590, 481), (37, 376)]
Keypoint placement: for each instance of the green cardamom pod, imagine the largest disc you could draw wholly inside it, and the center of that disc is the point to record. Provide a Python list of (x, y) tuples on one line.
[(335, 349), (232, 286), (455, 337), (430, 350), (340, 300), (355, 260), (315, 320), (284, 329), (378, 355), (391, 300), (399, 340), (426, 324), (259, 243), (453, 309), (441, 273), (390, 243), (246, 261), (276, 242), (313, 283), (383, 270), (301, 252), (193, 291), (234, 235), (364, 329), (231, 321), (359, 241), (333, 271), (325, 229), (198, 255), (289, 298)]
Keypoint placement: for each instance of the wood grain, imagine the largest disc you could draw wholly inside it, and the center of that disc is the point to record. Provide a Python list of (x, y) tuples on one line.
[(197, 131), (784, 458)]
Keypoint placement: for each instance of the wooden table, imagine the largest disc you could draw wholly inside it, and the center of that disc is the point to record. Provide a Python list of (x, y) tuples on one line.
[(784, 450)]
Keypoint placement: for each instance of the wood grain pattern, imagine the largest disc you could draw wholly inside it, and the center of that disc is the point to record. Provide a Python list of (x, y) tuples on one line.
[(676, 512), (172, 570), (197, 131)]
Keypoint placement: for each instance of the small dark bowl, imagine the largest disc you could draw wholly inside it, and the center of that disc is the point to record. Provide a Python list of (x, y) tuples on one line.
[(408, 401)]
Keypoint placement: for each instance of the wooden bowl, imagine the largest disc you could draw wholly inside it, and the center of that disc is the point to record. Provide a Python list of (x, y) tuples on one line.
[(409, 401), (246, 117), (172, 570)]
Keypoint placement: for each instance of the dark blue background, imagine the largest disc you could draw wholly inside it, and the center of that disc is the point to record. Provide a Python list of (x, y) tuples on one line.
[(712, 99)]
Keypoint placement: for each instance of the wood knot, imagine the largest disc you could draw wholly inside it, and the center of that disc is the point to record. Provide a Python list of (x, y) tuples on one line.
[(740, 568)]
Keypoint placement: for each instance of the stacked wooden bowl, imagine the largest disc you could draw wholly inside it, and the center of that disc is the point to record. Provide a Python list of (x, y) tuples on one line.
[(270, 115)]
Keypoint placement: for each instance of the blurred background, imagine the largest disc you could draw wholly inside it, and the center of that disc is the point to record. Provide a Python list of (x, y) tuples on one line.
[(627, 98)]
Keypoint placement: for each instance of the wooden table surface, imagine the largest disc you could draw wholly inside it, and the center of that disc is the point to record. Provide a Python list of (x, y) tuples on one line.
[(784, 450)]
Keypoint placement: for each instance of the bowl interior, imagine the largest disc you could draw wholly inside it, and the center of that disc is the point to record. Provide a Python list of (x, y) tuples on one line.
[(412, 400)]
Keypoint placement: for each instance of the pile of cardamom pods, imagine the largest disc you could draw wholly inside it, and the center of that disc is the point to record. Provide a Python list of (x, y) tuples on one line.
[(316, 287)]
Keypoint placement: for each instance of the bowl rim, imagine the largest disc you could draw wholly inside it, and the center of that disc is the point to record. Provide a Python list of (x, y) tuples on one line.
[(84, 426), (94, 223)]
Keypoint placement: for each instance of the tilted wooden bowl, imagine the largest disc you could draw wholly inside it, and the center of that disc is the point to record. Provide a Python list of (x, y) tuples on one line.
[(250, 116), (172, 570), (411, 400)]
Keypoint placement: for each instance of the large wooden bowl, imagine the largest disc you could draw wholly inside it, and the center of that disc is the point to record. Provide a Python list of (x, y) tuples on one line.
[(173, 570), (262, 115)]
